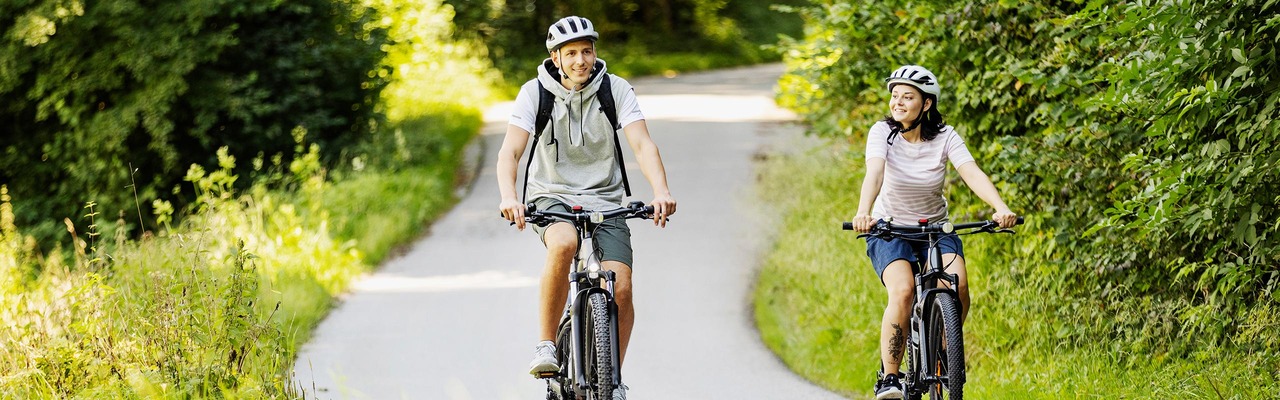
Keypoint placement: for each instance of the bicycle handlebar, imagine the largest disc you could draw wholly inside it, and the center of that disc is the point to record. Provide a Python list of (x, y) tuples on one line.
[(885, 228), (635, 209)]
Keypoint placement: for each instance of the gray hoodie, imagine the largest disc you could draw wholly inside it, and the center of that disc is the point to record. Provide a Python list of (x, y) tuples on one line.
[(574, 161)]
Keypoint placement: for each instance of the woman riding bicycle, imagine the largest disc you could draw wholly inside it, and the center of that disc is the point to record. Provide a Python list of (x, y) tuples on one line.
[(906, 159)]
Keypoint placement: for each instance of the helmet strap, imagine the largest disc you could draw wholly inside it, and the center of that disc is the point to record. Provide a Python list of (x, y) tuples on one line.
[(898, 132)]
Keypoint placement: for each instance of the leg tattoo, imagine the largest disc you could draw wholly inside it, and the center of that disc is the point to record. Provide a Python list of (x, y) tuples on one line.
[(897, 343)]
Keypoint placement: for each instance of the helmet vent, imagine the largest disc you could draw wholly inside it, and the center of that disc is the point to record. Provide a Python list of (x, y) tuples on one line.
[(569, 29)]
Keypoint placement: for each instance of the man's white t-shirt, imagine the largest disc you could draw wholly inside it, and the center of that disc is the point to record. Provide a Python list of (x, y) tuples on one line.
[(574, 160)]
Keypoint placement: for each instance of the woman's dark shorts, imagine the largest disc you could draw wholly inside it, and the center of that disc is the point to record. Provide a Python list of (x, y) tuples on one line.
[(883, 252), (613, 237)]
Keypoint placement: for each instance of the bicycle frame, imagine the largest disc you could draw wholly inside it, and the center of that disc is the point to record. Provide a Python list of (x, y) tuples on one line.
[(587, 277), (920, 375)]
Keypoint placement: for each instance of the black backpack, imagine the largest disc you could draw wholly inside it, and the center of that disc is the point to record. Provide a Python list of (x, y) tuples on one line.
[(546, 100)]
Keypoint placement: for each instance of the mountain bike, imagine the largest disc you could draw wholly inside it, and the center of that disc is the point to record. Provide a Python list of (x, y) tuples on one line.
[(587, 338), (935, 353)]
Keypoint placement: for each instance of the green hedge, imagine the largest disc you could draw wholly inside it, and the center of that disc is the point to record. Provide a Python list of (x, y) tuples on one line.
[(216, 305), (108, 98), (724, 32), (1143, 136)]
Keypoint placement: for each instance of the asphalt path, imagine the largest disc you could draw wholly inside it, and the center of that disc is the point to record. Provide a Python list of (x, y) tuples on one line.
[(454, 317)]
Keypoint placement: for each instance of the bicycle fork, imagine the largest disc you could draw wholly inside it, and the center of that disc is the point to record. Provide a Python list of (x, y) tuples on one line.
[(597, 280), (927, 290), (597, 273)]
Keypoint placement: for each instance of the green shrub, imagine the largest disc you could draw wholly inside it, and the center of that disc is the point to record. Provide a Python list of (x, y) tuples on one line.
[(215, 301), (682, 34), (1149, 154), (117, 97), (818, 305)]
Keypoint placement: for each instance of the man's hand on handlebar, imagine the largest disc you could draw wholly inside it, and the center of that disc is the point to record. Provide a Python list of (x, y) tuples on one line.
[(513, 211), (663, 207)]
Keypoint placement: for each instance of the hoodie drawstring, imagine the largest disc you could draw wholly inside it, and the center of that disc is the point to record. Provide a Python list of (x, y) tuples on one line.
[(553, 140)]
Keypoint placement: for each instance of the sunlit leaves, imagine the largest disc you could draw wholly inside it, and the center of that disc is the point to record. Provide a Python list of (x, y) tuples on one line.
[(92, 87), (1144, 132)]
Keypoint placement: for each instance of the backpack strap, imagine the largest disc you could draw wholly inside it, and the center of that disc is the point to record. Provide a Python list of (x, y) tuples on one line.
[(545, 101), (605, 96)]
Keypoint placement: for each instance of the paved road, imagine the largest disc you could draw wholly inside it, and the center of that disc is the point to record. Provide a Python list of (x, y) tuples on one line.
[(454, 317)]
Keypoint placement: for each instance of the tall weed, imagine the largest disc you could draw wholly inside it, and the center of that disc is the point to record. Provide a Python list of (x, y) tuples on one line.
[(216, 305)]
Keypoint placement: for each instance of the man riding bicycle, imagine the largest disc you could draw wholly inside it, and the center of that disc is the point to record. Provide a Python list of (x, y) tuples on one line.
[(576, 162)]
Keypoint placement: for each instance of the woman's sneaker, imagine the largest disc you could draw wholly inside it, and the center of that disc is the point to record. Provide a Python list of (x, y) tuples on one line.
[(620, 392), (889, 387), (544, 360)]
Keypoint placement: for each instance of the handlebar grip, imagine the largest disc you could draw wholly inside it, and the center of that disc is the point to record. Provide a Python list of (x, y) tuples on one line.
[(848, 226), (1019, 220)]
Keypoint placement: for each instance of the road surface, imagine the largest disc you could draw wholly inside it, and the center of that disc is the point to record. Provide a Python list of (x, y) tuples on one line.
[(455, 317)]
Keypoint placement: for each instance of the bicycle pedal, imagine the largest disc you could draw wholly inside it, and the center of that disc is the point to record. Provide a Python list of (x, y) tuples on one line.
[(546, 375)]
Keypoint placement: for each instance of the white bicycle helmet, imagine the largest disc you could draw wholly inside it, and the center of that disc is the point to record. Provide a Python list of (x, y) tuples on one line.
[(569, 29), (917, 76)]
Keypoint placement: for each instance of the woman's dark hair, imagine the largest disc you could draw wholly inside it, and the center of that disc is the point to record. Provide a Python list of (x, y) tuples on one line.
[(931, 123)]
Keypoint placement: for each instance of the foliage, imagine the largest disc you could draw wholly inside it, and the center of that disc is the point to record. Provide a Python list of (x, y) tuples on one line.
[(192, 313), (217, 307), (216, 300), (113, 98), (424, 51), (818, 305), (1141, 134), (630, 31)]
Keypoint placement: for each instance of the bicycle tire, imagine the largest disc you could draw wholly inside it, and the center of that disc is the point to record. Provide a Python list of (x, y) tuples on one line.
[(601, 363), (948, 362)]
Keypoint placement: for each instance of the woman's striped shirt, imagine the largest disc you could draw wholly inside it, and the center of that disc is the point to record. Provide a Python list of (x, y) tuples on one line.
[(914, 173)]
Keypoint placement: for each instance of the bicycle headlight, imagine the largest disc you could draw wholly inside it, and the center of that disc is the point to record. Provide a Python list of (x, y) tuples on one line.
[(597, 217), (948, 228)]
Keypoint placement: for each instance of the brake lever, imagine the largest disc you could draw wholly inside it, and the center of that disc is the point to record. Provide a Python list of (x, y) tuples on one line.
[(882, 235)]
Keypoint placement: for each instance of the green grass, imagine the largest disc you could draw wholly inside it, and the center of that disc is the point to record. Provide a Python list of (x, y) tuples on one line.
[(219, 305), (818, 306)]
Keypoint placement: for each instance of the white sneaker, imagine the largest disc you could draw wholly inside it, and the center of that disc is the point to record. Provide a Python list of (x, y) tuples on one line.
[(620, 392), (544, 359)]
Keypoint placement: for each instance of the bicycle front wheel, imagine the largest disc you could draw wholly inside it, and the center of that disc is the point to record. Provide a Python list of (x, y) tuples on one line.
[(946, 350), (601, 361)]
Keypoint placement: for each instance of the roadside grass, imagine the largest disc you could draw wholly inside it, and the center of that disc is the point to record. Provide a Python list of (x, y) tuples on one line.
[(818, 306), (217, 305)]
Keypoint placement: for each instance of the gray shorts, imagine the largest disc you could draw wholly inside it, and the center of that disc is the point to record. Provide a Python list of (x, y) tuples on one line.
[(612, 238)]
